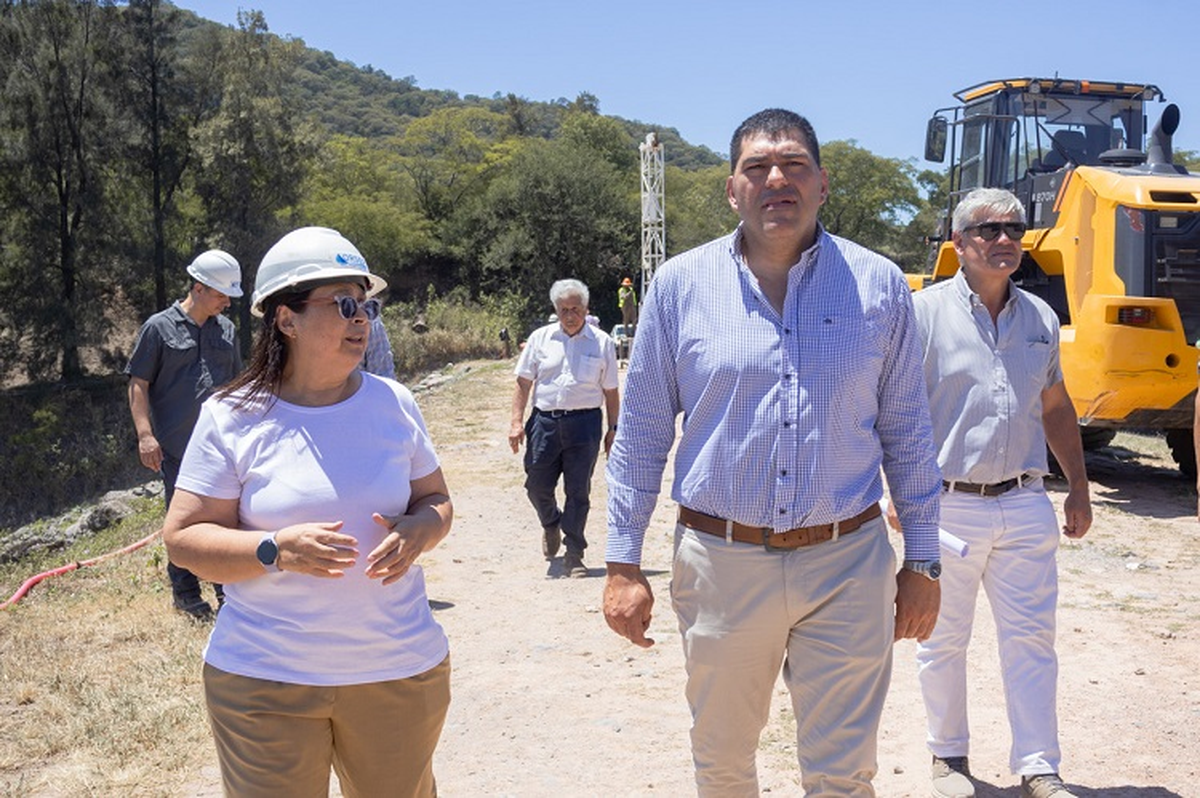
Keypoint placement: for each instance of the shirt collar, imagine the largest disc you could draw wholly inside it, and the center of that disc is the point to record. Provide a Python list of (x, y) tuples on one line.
[(807, 258), (180, 314), (587, 331), (971, 299)]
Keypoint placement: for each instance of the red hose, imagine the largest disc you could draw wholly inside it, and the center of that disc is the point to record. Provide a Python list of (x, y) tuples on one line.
[(33, 580)]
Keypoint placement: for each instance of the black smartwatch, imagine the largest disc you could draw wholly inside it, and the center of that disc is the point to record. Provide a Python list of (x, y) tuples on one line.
[(930, 569), (268, 552)]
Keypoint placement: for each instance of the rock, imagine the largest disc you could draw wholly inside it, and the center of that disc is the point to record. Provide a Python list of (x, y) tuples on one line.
[(57, 533)]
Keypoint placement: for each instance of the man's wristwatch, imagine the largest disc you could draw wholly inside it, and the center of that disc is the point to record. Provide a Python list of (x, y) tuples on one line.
[(268, 551), (930, 569)]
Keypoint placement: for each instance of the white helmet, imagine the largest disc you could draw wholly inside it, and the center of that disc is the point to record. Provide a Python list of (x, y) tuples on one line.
[(307, 255), (219, 271)]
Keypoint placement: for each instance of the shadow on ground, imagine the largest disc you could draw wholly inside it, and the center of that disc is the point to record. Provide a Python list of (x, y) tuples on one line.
[(985, 790), (1135, 483)]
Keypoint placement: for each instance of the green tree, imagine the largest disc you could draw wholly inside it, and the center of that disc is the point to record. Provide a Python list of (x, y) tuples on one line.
[(871, 199), (355, 187), (558, 211), (253, 153), (169, 95), (58, 151), (1189, 159), (603, 135), (449, 154), (697, 207)]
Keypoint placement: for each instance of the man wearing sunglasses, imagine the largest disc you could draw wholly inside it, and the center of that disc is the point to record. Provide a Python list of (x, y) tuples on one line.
[(997, 398), (570, 367), (182, 355)]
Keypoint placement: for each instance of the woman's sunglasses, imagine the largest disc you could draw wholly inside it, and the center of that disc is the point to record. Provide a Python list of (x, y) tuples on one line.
[(348, 306)]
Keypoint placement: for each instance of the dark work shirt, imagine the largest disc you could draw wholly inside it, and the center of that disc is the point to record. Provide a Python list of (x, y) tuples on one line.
[(184, 364)]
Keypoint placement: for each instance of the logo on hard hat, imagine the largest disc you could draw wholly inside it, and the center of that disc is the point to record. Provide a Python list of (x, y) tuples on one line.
[(351, 259)]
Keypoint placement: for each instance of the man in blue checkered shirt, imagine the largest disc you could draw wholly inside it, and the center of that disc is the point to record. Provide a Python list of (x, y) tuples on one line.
[(792, 355)]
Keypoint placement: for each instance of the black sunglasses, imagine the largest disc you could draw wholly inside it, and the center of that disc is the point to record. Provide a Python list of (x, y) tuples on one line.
[(348, 306), (990, 231)]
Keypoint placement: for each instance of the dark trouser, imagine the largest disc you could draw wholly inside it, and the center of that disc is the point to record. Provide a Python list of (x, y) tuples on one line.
[(629, 314), (566, 446), (184, 583)]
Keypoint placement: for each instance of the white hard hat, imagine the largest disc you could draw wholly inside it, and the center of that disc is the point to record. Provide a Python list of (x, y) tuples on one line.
[(219, 271), (308, 255)]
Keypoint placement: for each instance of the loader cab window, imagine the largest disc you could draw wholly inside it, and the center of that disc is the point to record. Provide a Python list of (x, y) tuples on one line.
[(990, 146), (1078, 129), (972, 162)]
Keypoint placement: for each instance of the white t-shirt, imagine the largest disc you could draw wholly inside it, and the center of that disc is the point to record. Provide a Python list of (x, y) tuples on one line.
[(569, 372), (296, 464)]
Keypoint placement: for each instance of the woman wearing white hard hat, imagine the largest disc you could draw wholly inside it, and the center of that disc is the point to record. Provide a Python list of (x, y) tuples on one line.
[(310, 489)]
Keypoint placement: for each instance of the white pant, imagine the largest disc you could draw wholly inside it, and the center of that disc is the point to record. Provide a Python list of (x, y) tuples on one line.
[(1013, 541), (828, 610)]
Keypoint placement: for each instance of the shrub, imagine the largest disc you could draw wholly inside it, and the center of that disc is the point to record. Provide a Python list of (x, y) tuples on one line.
[(456, 328), (64, 444)]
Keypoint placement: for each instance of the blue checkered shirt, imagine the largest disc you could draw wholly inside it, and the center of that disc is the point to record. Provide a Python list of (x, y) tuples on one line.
[(378, 358), (787, 419)]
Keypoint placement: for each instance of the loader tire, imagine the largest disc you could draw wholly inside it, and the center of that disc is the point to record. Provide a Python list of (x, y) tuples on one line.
[(1183, 450)]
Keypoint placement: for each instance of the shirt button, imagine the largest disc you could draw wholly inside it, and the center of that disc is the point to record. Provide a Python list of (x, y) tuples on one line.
[(783, 472), (782, 511)]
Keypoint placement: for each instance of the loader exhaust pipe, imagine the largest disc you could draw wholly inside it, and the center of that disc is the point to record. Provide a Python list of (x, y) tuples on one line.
[(1160, 158)]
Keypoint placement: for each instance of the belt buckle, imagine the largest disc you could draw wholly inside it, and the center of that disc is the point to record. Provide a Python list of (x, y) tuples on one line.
[(557, 413), (766, 539)]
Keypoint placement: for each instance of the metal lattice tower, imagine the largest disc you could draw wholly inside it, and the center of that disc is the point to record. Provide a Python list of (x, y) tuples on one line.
[(654, 241)]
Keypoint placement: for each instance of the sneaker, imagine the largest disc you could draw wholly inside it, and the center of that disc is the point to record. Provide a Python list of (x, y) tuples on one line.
[(1044, 785), (573, 565), (551, 539), (951, 777), (196, 607)]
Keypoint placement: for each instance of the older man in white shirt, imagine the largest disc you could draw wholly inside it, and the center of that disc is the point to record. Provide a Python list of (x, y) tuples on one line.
[(570, 367)]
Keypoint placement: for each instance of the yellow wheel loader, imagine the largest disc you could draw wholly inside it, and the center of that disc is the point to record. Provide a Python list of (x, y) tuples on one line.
[(1113, 243)]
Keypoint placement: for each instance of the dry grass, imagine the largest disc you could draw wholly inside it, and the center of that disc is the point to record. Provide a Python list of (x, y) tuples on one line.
[(100, 681), (100, 691)]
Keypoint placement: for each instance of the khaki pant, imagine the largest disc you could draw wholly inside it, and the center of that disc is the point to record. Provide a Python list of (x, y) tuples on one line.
[(276, 739), (825, 613)]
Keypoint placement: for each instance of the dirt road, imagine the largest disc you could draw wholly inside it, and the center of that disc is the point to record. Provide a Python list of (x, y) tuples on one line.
[(548, 702)]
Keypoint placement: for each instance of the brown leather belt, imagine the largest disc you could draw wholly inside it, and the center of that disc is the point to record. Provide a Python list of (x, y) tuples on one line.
[(763, 536)]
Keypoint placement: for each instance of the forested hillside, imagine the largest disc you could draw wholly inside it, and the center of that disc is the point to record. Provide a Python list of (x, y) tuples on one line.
[(133, 136)]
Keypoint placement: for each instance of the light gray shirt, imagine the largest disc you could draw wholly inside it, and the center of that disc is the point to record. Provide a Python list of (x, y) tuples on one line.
[(985, 380)]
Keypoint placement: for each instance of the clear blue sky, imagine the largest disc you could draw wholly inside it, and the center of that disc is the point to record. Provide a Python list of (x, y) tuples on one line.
[(869, 71)]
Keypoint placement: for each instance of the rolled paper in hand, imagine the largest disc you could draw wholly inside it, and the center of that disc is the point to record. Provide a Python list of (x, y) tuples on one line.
[(953, 543)]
